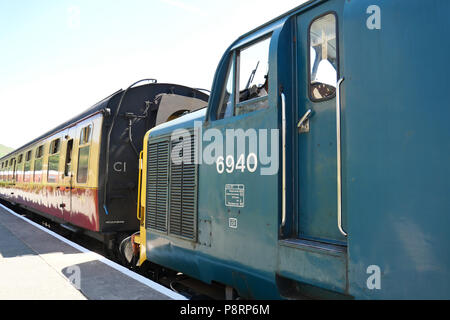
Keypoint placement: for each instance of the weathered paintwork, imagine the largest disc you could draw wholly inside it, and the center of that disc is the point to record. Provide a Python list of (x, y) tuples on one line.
[(398, 149), (395, 172), (65, 198), (47, 200)]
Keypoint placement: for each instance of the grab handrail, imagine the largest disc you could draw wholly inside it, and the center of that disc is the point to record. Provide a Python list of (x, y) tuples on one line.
[(339, 156)]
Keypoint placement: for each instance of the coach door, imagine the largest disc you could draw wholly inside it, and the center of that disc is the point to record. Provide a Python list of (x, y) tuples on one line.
[(320, 218), (67, 174)]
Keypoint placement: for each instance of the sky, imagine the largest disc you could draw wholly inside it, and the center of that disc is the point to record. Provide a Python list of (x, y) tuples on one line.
[(59, 57)]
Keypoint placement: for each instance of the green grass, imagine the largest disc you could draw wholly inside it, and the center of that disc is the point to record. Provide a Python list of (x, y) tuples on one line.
[(4, 150)]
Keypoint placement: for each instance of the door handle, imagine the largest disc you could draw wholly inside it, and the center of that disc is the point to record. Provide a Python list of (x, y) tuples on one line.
[(339, 157), (303, 124)]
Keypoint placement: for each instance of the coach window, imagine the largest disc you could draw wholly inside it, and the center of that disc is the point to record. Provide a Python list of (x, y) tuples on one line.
[(323, 51), (5, 171), (27, 166), (12, 168), (83, 154), (19, 168), (9, 162), (68, 161), (53, 161), (38, 164)]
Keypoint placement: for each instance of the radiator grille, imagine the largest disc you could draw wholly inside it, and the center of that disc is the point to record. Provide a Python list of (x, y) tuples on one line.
[(182, 220), (172, 189), (157, 185)]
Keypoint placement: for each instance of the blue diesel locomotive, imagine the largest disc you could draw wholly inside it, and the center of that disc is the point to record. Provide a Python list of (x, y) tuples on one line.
[(320, 168)]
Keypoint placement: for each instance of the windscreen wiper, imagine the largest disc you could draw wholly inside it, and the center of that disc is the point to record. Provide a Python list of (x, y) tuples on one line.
[(252, 76)]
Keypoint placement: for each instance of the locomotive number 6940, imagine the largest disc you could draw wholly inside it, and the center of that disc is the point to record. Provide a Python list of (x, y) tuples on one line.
[(229, 164)]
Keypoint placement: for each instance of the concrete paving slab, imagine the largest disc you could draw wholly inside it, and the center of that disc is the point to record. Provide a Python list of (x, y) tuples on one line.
[(25, 275), (36, 265)]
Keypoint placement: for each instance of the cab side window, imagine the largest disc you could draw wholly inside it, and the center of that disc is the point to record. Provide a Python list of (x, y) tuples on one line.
[(247, 82), (254, 71), (226, 108), (323, 51)]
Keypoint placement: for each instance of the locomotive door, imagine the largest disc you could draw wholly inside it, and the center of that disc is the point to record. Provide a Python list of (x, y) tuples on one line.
[(67, 174), (318, 156)]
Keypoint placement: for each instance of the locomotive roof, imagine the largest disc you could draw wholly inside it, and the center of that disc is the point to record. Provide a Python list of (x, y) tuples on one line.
[(284, 15)]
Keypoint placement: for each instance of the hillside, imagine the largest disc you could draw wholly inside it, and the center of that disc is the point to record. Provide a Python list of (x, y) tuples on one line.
[(4, 150)]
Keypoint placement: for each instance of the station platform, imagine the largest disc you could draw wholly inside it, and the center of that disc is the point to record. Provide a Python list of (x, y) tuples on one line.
[(38, 264)]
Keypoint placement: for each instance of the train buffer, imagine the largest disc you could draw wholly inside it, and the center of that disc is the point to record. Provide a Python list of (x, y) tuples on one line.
[(37, 264)]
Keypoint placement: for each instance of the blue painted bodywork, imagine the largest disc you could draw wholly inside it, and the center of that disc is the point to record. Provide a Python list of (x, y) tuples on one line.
[(395, 166)]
